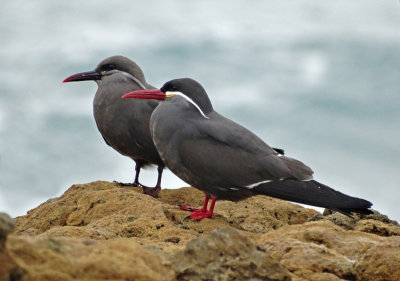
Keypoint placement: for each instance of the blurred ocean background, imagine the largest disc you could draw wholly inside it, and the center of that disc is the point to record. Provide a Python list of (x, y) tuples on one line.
[(320, 79)]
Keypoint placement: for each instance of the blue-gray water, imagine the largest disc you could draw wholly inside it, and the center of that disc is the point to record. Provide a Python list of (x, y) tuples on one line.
[(320, 79)]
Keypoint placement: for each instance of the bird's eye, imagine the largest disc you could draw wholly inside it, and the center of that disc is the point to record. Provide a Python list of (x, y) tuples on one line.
[(109, 66), (169, 87)]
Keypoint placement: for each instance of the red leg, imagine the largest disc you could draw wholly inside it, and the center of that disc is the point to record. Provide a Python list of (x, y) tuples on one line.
[(205, 204), (191, 209), (201, 214)]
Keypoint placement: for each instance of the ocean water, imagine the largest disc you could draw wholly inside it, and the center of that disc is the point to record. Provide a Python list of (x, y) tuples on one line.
[(319, 79)]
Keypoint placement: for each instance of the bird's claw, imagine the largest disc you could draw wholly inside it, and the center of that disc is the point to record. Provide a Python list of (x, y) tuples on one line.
[(127, 184), (152, 191)]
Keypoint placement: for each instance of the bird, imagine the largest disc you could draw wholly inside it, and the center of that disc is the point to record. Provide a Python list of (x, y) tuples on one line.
[(224, 159), (125, 126)]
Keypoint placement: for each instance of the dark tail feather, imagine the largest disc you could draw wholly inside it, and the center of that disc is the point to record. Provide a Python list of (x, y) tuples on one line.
[(315, 194)]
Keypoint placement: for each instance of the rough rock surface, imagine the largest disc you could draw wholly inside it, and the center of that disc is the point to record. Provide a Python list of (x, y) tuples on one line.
[(75, 258), (229, 255), (8, 267), (101, 231), (375, 223), (324, 251)]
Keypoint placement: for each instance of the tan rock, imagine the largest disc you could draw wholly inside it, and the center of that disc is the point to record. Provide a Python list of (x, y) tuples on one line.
[(182, 196), (372, 223), (100, 229), (381, 262), (8, 268), (71, 259), (103, 210), (377, 227), (226, 254), (6, 227), (318, 248), (260, 214), (337, 218)]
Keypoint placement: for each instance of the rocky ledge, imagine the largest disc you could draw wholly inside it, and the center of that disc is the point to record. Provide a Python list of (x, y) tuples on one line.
[(101, 231)]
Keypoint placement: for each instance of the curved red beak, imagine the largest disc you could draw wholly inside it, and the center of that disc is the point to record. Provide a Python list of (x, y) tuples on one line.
[(154, 94)]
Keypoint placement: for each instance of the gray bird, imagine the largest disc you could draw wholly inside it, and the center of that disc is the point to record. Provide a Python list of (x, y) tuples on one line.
[(224, 159), (124, 125)]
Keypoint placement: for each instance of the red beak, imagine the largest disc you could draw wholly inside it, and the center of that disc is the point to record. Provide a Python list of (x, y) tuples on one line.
[(154, 94)]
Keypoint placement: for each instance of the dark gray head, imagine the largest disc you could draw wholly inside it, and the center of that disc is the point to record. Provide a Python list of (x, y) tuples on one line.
[(110, 66), (191, 89), (120, 64)]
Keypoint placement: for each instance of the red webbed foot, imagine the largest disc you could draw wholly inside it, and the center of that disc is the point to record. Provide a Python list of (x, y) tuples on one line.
[(199, 214)]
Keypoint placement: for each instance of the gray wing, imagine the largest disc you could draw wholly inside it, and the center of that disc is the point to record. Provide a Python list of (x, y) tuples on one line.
[(223, 153)]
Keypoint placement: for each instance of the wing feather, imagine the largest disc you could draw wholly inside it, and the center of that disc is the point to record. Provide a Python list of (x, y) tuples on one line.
[(223, 153)]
